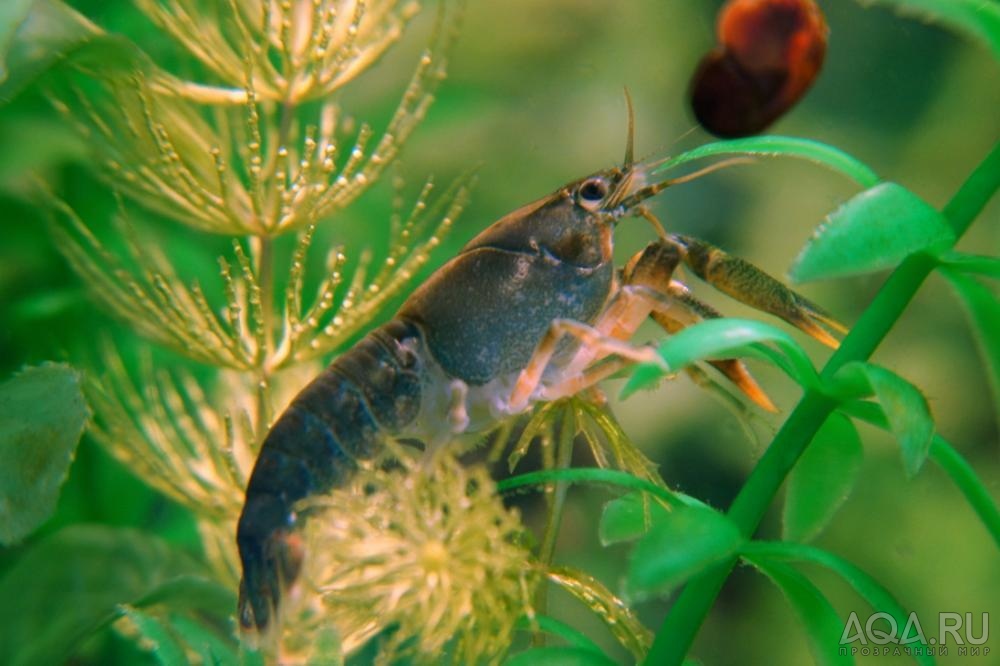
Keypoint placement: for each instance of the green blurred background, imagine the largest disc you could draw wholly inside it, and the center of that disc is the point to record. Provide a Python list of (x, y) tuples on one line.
[(534, 99)]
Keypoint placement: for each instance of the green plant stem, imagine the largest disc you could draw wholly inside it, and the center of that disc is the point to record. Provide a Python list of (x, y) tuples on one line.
[(678, 630), (564, 455)]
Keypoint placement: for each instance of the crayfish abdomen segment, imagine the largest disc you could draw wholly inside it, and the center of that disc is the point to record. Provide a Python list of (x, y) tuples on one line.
[(338, 421)]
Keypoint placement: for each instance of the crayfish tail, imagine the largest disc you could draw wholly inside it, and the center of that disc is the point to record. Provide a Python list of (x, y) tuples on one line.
[(271, 557)]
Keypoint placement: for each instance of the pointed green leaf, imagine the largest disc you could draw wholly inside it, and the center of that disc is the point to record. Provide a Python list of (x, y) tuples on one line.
[(161, 642), (905, 407), (686, 542), (213, 648), (12, 14), (559, 656), (877, 596), (52, 33), (191, 592), (42, 416), (979, 19), (726, 338), (948, 459), (964, 476), (822, 479), (629, 517), (780, 146), (63, 589), (874, 230), (550, 625), (822, 625), (975, 264), (594, 475), (983, 307)]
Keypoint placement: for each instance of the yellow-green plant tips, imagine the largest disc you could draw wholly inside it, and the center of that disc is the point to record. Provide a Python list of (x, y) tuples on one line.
[(684, 543), (822, 479), (162, 643), (874, 230), (171, 638), (42, 415), (617, 616)]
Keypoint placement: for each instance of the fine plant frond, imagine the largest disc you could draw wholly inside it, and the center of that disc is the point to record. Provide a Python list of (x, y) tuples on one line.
[(322, 326), (613, 611), (610, 447), (154, 301), (298, 51), (217, 545), (251, 168), (165, 430)]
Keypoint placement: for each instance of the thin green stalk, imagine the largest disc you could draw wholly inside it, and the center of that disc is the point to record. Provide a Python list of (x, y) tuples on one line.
[(685, 617), (564, 456), (962, 474), (593, 475), (948, 459)]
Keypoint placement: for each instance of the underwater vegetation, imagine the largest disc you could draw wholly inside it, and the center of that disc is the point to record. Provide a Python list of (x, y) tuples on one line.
[(205, 203)]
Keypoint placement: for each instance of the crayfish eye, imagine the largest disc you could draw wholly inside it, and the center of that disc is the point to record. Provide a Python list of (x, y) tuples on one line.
[(592, 192)]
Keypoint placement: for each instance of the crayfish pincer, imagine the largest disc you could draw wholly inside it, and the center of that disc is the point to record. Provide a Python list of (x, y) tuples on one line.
[(531, 309)]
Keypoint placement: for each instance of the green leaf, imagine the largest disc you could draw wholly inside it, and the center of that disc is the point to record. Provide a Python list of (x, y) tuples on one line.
[(42, 416), (905, 407), (550, 625), (822, 479), (984, 310), (877, 596), (948, 459), (980, 19), (163, 645), (68, 586), (591, 475), (191, 592), (559, 656), (971, 263), (964, 476), (52, 33), (685, 542), (820, 621), (629, 517), (213, 648), (781, 146), (874, 230), (725, 338), (12, 14)]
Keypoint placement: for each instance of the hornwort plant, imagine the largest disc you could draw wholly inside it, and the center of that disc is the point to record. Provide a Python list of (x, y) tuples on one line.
[(417, 560)]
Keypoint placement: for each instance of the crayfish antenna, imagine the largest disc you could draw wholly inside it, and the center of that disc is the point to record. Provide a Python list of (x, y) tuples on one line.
[(630, 139)]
